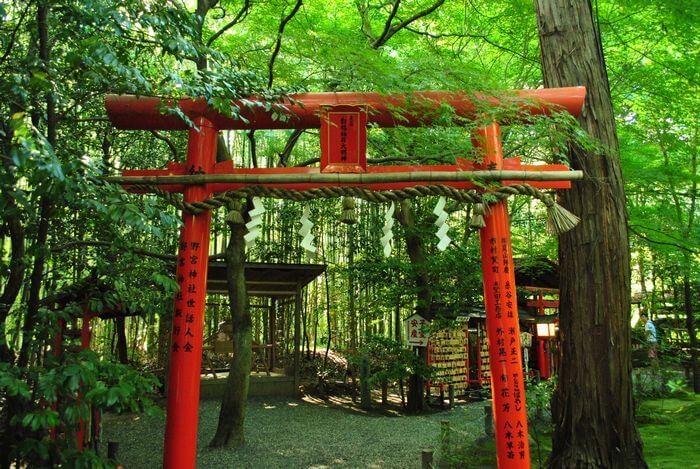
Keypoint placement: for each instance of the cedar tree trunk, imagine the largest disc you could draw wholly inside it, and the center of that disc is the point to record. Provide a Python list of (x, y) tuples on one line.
[(592, 407)]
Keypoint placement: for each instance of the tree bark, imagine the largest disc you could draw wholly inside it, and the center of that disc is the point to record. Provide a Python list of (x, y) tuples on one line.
[(414, 246), (46, 206), (592, 406), (13, 284), (229, 431), (416, 253), (165, 324), (690, 327), (352, 313), (122, 349)]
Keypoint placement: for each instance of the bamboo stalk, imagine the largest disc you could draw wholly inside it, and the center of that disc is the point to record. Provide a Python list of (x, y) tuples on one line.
[(348, 179)]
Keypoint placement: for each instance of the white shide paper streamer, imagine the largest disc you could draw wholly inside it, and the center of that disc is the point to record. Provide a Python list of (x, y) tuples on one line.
[(443, 227), (307, 238), (387, 233), (253, 226)]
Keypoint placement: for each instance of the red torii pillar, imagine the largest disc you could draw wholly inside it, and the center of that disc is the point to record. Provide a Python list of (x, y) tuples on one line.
[(507, 384), (499, 282), (188, 317)]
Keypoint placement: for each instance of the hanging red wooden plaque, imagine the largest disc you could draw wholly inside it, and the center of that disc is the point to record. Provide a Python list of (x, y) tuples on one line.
[(343, 139)]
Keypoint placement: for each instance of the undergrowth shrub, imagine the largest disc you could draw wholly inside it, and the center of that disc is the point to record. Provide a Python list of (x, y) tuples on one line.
[(61, 393)]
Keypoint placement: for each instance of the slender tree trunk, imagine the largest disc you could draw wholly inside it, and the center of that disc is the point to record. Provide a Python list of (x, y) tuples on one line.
[(690, 327), (351, 289), (165, 321), (12, 222), (416, 253), (13, 284), (414, 246), (122, 349), (397, 320), (592, 408), (229, 431), (45, 204)]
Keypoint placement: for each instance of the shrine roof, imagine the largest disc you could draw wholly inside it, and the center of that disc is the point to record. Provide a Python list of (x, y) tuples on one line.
[(266, 279)]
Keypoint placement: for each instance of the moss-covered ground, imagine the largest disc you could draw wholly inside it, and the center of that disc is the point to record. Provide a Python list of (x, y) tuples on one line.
[(670, 430)]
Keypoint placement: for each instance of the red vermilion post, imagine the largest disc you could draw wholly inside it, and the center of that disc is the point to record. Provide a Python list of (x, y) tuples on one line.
[(542, 352), (188, 318), (85, 336), (542, 359), (507, 385)]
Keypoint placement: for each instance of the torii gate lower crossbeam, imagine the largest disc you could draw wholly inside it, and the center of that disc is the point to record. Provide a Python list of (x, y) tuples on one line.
[(507, 382)]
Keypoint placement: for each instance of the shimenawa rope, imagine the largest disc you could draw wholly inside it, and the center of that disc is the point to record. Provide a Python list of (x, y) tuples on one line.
[(559, 220)]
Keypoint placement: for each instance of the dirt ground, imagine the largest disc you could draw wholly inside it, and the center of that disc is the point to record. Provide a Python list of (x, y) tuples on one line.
[(311, 433)]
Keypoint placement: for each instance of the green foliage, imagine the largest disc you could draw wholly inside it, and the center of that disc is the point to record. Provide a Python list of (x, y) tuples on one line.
[(67, 389), (538, 402), (657, 381), (389, 360), (55, 147)]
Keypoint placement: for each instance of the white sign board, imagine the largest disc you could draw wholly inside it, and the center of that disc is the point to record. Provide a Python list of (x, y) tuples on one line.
[(417, 330)]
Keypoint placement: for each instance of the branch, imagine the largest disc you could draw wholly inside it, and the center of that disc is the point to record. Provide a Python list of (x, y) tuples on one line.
[(278, 43), (106, 151), (400, 159), (389, 20), (366, 24), (652, 59), (483, 37), (242, 13), (139, 251), (683, 248), (11, 42), (253, 147), (384, 38), (107, 244), (78, 102), (308, 162), (289, 146), (93, 119), (386, 159), (171, 145)]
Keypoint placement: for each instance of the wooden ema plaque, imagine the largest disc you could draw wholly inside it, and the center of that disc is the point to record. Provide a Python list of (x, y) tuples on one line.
[(343, 139)]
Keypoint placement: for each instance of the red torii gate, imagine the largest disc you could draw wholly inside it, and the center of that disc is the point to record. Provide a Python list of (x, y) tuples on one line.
[(543, 360), (339, 115)]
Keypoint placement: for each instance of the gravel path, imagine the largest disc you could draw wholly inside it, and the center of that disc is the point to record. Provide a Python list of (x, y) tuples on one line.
[(287, 433)]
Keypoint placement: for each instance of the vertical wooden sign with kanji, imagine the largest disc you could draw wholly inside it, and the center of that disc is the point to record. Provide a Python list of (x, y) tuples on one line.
[(343, 139), (417, 331)]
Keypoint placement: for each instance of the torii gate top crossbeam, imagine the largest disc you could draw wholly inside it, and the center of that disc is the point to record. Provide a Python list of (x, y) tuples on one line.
[(130, 112)]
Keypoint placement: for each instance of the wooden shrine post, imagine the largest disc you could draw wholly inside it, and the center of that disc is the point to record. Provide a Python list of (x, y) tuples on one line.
[(188, 317), (507, 384)]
